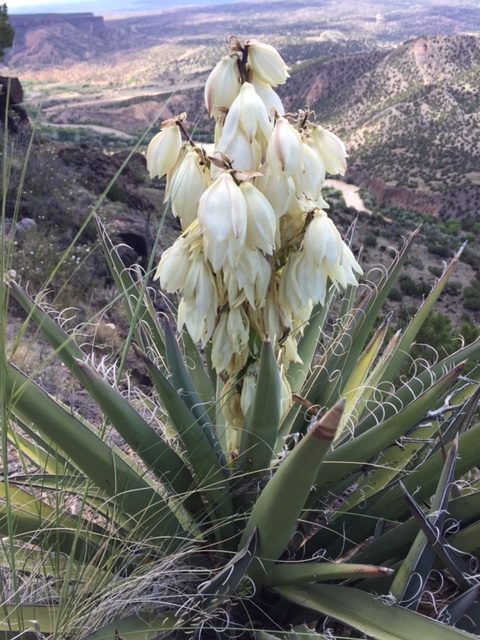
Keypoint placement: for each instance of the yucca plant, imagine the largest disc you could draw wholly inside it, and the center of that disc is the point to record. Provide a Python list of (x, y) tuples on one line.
[(291, 470)]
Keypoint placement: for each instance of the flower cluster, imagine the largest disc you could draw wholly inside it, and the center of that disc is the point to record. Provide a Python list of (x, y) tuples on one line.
[(258, 250)]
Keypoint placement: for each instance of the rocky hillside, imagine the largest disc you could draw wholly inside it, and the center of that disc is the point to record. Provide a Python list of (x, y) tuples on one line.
[(56, 39), (411, 117)]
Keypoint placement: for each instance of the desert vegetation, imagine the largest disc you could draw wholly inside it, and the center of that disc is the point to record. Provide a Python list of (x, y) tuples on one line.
[(269, 455)]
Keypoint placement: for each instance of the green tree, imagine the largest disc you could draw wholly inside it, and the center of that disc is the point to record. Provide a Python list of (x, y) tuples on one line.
[(7, 32)]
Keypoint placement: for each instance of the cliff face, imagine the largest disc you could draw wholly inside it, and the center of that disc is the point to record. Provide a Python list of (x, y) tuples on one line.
[(410, 116), (52, 38)]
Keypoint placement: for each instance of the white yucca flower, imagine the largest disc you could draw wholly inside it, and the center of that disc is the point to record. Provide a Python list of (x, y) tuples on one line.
[(279, 190), (331, 149), (261, 219), (198, 308), (265, 61), (223, 85), (247, 113), (173, 267), (222, 212), (284, 149), (310, 175), (230, 342), (186, 187), (244, 155), (322, 243), (248, 280), (270, 98), (163, 151)]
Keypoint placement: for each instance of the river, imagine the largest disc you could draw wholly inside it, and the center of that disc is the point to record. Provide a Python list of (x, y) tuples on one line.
[(350, 194)]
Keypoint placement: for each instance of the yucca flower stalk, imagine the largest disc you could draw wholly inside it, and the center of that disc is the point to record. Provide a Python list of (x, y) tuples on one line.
[(296, 480), (248, 267)]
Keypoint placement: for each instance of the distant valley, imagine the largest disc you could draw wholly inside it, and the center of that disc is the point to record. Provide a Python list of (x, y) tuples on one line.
[(399, 81)]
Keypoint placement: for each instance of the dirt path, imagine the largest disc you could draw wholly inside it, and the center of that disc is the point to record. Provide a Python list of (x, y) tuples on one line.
[(93, 127)]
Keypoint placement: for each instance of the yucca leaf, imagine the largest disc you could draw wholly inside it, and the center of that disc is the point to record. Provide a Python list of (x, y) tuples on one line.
[(388, 466), (260, 432), (350, 455), (450, 559), (35, 522), (49, 563), (346, 349), (465, 509), (42, 459), (150, 446), (143, 439), (100, 462), (354, 386), (308, 344), (460, 606), (260, 634), (390, 505), (302, 572), (468, 539), (394, 402), (407, 586), (276, 511), (410, 333), (461, 419), (138, 627), (179, 377), (205, 456), (197, 368), (22, 618), (227, 579), (369, 614)]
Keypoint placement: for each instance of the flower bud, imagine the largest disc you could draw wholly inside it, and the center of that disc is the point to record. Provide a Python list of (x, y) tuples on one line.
[(223, 85), (187, 186), (222, 213), (284, 149), (331, 149), (261, 219), (265, 61), (163, 151)]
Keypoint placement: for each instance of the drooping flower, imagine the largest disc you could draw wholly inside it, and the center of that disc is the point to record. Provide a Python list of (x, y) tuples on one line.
[(198, 307), (310, 175), (248, 279), (222, 213), (322, 243), (270, 98), (279, 190), (331, 149), (265, 61), (173, 267), (163, 151), (244, 155), (261, 219), (230, 341), (247, 113), (186, 188), (223, 85), (284, 149)]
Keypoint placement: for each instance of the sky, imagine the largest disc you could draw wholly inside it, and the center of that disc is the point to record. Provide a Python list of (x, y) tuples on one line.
[(98, 7)]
